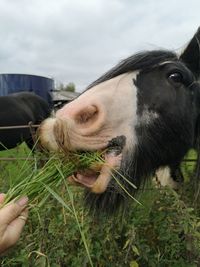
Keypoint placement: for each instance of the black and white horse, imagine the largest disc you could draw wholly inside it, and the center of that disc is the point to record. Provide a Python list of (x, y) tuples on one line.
[(18, 110), (145, 112)]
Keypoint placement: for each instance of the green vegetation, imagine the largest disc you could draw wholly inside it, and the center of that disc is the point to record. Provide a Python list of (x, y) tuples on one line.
[(39, 182), (70, 87), (163, 231)]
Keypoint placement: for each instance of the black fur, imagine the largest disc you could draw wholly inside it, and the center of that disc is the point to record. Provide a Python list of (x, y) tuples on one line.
[(20, 109), (168, 87)]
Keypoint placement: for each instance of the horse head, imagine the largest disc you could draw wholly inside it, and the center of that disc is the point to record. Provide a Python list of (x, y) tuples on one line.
[(144, 113)]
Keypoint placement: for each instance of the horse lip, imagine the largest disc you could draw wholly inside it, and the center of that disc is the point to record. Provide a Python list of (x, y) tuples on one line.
[(81, 182), (99, 180)]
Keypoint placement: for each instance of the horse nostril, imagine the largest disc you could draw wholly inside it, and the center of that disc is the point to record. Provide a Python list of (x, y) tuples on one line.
[(87, 115)]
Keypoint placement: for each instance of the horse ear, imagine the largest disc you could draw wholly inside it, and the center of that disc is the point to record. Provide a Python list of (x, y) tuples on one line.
[(191, 55)]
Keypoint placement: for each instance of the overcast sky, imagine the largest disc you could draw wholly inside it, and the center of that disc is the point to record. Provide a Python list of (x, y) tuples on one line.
[(78, 40)]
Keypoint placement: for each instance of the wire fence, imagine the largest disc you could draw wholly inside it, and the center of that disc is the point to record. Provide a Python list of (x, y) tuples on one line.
[(14, 127), (32, 127), (187, 163)]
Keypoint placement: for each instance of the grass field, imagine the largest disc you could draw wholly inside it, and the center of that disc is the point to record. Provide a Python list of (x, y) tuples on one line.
[(163, 231)]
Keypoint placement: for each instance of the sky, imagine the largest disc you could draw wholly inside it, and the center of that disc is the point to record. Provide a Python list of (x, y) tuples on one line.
[(79, 40)]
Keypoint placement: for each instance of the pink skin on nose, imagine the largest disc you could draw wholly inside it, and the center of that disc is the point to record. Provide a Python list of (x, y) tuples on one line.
[(74, 111), (87, 118), (80, 103), (66, 111)]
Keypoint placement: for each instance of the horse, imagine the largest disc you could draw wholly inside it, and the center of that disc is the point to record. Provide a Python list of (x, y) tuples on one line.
[(144, 113), (19, 109)]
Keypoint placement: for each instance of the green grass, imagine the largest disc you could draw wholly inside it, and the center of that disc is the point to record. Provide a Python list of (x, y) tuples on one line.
[(37, 183), (188, 167), (163, 231)]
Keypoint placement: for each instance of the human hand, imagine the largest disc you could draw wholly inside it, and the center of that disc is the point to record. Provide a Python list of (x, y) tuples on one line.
[(13, 217)]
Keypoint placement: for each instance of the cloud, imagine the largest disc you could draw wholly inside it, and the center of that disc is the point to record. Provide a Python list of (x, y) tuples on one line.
[(77, 41)]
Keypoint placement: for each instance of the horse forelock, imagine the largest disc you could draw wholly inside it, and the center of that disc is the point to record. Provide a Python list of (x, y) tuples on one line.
[(137, 62)]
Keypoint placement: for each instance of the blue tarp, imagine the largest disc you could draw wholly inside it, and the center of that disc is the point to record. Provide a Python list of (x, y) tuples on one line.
[(12, 83)]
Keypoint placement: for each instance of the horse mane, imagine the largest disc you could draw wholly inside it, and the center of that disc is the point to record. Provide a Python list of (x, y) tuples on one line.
[(140, 61)]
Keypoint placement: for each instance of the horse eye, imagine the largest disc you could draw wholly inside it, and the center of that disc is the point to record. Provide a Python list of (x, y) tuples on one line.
[(176, 77)]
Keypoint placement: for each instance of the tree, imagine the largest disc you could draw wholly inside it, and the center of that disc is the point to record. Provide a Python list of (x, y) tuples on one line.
[(70, 87)]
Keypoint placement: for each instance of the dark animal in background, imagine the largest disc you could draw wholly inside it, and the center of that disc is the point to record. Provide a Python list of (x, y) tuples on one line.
[(19, 109), (145, 112)]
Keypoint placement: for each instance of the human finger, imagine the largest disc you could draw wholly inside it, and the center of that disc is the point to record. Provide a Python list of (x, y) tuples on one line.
[(11, 232), (14, 229), (2, 197), (12, 210)]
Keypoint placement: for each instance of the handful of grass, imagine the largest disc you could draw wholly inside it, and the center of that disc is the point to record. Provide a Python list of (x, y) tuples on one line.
[(37, 183)]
